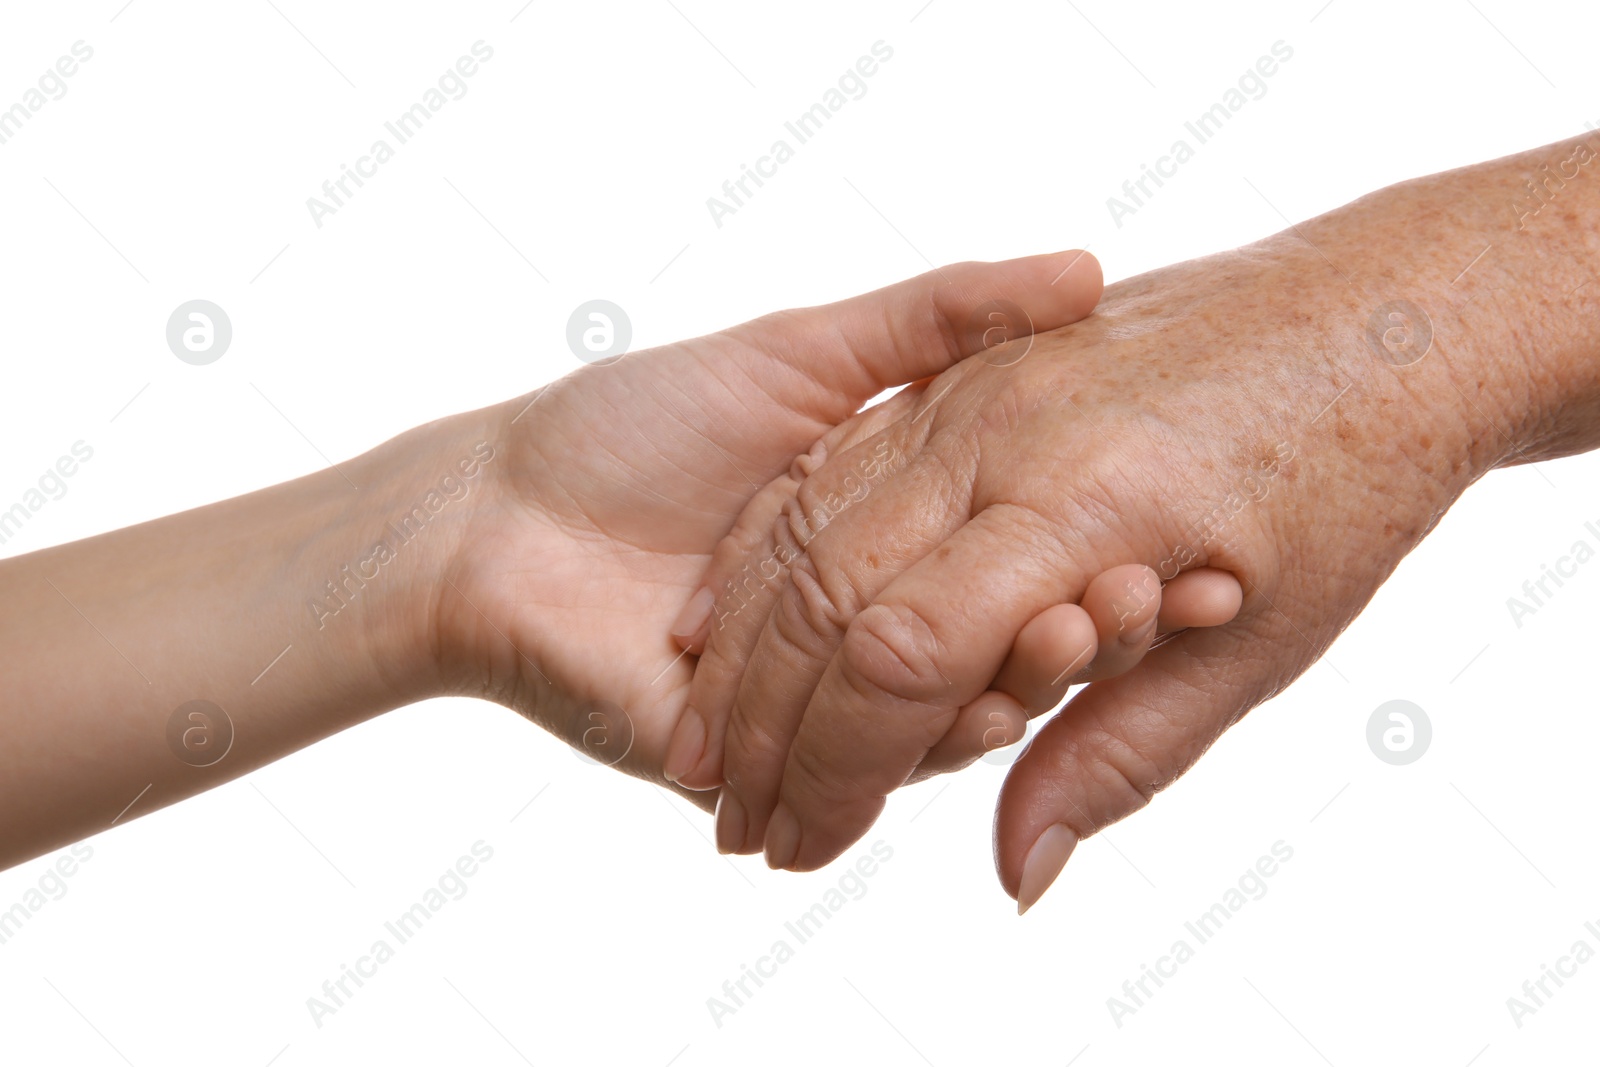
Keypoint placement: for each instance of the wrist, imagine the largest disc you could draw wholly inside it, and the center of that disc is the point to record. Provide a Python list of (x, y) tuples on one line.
[(1481, 276), (421, 492), (1466, 332), (1542, 295)]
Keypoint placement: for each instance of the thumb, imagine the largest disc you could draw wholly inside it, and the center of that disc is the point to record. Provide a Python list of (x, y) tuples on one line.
[(919, 327), (1114, 747)]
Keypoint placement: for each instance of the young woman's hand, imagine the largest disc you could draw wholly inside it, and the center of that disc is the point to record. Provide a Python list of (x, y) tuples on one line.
[(611, 488)]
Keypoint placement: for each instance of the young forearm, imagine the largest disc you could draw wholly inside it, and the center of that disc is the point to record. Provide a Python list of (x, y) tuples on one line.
[(274, 607)]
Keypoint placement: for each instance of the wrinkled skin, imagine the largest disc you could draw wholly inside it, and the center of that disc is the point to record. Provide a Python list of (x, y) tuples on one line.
[(613, 486), (1210, 388)]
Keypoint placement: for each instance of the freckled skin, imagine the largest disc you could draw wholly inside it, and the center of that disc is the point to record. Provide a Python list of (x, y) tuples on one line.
[(1127, 438)]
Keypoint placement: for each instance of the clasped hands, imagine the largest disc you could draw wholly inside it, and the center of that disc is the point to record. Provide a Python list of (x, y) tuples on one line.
[(800, 606)]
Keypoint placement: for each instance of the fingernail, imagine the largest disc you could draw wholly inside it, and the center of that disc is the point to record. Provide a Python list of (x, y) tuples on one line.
[(695, 614), (688, 745), (783, 838), (1045, 860), (730, 822)]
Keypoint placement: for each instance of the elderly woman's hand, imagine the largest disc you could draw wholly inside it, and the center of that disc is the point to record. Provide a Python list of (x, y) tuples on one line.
[(1275, 412)]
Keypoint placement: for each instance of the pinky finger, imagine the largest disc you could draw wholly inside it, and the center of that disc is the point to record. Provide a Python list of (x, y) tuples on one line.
[(1069, 645), (993, 721)]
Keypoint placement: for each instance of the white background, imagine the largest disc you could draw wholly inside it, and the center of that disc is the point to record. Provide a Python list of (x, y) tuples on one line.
[(1418, 898)]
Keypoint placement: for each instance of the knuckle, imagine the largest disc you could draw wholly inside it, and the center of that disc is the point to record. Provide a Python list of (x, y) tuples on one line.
[(811, 618), (1128, 776), (1120, 780), (1004, 412), (748, 584), (808, 462), (891, 655), (789, 536), (747, 549), (822, 497)]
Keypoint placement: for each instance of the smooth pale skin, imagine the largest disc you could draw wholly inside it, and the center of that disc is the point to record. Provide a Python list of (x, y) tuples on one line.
[(1109, 444), (549, 586)]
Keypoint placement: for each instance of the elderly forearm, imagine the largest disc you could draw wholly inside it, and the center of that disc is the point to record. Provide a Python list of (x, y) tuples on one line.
[(1475, 290)]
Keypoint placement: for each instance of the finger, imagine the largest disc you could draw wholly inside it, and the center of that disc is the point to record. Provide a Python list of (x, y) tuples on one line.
[(924, 325), (752, 532), (1069, 644), (753, 528), (1113, 747), (1034, 680), (837, 575), (747, 585), (897, 333), (991, 722), (1051, 653), (926, 646), (1055, 647), (1124, 603), (1204, 596), (909, 331), (693, 735)]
